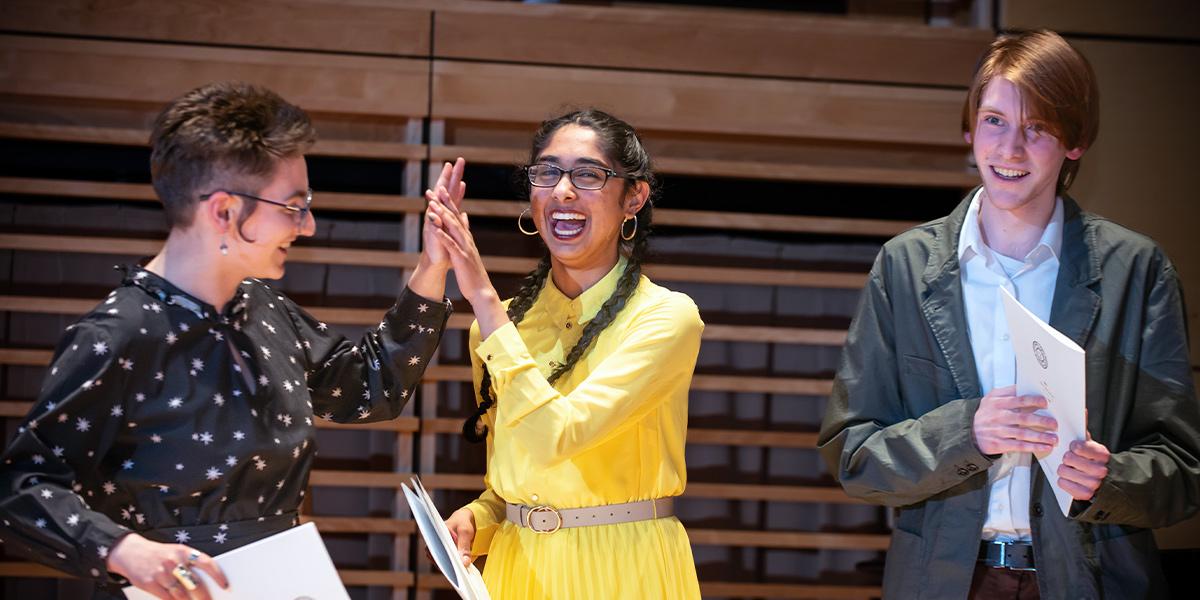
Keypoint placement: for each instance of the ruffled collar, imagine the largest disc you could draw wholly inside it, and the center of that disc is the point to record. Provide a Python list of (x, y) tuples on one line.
[(168, 293)]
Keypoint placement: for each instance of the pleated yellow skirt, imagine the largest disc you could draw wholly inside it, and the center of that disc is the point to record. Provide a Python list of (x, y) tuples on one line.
[(644, 559)]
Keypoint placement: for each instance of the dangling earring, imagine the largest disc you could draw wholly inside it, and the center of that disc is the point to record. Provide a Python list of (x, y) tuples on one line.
[(631, 233), (224, 247), (522, 227)]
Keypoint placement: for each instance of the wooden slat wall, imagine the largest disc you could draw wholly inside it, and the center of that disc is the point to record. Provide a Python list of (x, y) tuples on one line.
[(732, 94)]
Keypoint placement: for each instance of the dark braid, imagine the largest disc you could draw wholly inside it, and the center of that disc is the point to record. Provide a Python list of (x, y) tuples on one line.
[(620, 142)]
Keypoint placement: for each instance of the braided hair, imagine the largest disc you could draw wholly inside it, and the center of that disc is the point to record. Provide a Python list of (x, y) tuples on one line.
[(620, 143)]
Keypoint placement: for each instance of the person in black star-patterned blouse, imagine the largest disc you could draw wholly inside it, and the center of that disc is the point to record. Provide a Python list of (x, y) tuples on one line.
[(177, 418)]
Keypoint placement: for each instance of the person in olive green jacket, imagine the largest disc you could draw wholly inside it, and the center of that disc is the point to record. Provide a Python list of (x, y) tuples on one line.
[(924, 416)]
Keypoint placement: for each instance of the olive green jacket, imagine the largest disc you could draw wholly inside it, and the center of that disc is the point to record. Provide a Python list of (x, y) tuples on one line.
[(897, 430)]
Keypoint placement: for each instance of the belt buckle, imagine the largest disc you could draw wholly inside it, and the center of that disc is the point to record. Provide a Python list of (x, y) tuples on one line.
[(1003, 564), (545, 509)]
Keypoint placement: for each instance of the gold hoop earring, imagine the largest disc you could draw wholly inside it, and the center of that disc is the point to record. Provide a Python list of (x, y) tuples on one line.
[(522, 227), (631, 233)]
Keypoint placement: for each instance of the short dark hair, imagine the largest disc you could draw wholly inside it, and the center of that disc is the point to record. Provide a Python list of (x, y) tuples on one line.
[(1058, 88), (226, 135)]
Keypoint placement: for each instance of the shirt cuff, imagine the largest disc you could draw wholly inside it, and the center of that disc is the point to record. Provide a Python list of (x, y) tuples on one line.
[(410, 302), (506, 358), (485, 528), (503, 351), (102, 537)]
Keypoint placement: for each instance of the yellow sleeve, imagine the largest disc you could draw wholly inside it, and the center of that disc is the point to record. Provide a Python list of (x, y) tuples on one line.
[(488, 508), (489, 513), (655, 357)]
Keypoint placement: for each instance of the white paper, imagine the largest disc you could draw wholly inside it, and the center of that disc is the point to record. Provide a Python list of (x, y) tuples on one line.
[(467, 580), (1051, 365), (291, 564)]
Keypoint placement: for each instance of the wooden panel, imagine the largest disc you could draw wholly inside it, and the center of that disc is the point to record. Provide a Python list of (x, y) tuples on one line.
[(19, 408), (751, 437), (789, 590), (700, 104), (774, 493), (137, 247), (335, 26), (474, 483), (25, 357), (1173, 19), (730, 437), (361, 524), (149, 75), (486, 208), (494, 264), (140, 137), (714, 383), (396, 579), (733, 42), (140, 192), (788, 539), (734, 590), (349, 576), (741, 169), (458, 321), (723, 221)]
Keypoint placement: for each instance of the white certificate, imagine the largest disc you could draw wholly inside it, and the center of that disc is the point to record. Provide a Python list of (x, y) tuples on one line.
[(1051, 365), (467, 580), (291, 564)]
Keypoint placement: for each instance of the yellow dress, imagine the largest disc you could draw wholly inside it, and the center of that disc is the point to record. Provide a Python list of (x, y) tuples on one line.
[(611, 430)]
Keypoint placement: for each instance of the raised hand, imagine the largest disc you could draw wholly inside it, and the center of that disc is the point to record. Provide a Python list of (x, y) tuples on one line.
[(450, 190), (148, 566), (1006, 422), (454, 232)]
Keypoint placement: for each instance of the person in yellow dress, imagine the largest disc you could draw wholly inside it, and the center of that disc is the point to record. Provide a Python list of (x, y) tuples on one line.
[(582, 383)]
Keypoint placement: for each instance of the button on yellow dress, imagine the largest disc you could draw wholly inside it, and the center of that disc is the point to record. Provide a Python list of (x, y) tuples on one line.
[(611, 430)]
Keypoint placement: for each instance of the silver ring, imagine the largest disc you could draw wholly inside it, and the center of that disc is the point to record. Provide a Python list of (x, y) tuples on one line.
[(193, 556), (184, 577)]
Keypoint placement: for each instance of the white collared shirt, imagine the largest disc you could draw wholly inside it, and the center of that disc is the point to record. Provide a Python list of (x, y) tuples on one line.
[(1031, 281)]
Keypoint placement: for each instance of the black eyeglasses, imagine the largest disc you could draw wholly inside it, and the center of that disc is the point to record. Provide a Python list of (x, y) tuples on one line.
[(298, 212), (585, 178)]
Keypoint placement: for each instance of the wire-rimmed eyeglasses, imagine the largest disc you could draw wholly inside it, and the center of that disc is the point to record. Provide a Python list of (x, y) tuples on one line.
[(587, 177), (298, 212)]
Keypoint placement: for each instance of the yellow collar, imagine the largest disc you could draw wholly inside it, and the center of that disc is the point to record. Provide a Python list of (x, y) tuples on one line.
[(584, 307)]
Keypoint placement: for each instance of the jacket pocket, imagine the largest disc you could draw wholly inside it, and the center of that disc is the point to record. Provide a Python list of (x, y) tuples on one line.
[(924, 384), (926, 369)]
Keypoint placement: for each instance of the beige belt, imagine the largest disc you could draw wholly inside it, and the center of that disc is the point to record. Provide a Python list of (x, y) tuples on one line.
[(547, 519)]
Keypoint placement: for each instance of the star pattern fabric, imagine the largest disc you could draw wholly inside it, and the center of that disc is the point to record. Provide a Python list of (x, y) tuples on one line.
[(164, 416)]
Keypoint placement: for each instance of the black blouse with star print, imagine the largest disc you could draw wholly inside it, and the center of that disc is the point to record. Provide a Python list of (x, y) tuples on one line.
[(162, 415)]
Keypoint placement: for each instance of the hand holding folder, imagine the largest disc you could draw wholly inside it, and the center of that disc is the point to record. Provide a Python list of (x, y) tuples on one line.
[(465, 579), (1051, 365)]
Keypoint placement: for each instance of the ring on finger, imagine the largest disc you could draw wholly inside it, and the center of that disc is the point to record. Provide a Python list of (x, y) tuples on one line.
[(184, 576), (193, 556)]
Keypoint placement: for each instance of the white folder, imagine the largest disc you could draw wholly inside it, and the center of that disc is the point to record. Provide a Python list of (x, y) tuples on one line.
[(1051, 365), (288, 565), (467, 580)]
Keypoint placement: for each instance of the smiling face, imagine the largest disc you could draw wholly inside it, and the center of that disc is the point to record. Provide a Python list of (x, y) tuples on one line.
[(1018, 159), (273, 228), (581, 227)]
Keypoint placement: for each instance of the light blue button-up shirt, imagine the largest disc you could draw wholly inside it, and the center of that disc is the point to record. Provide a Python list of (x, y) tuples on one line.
[(1031, 280)]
